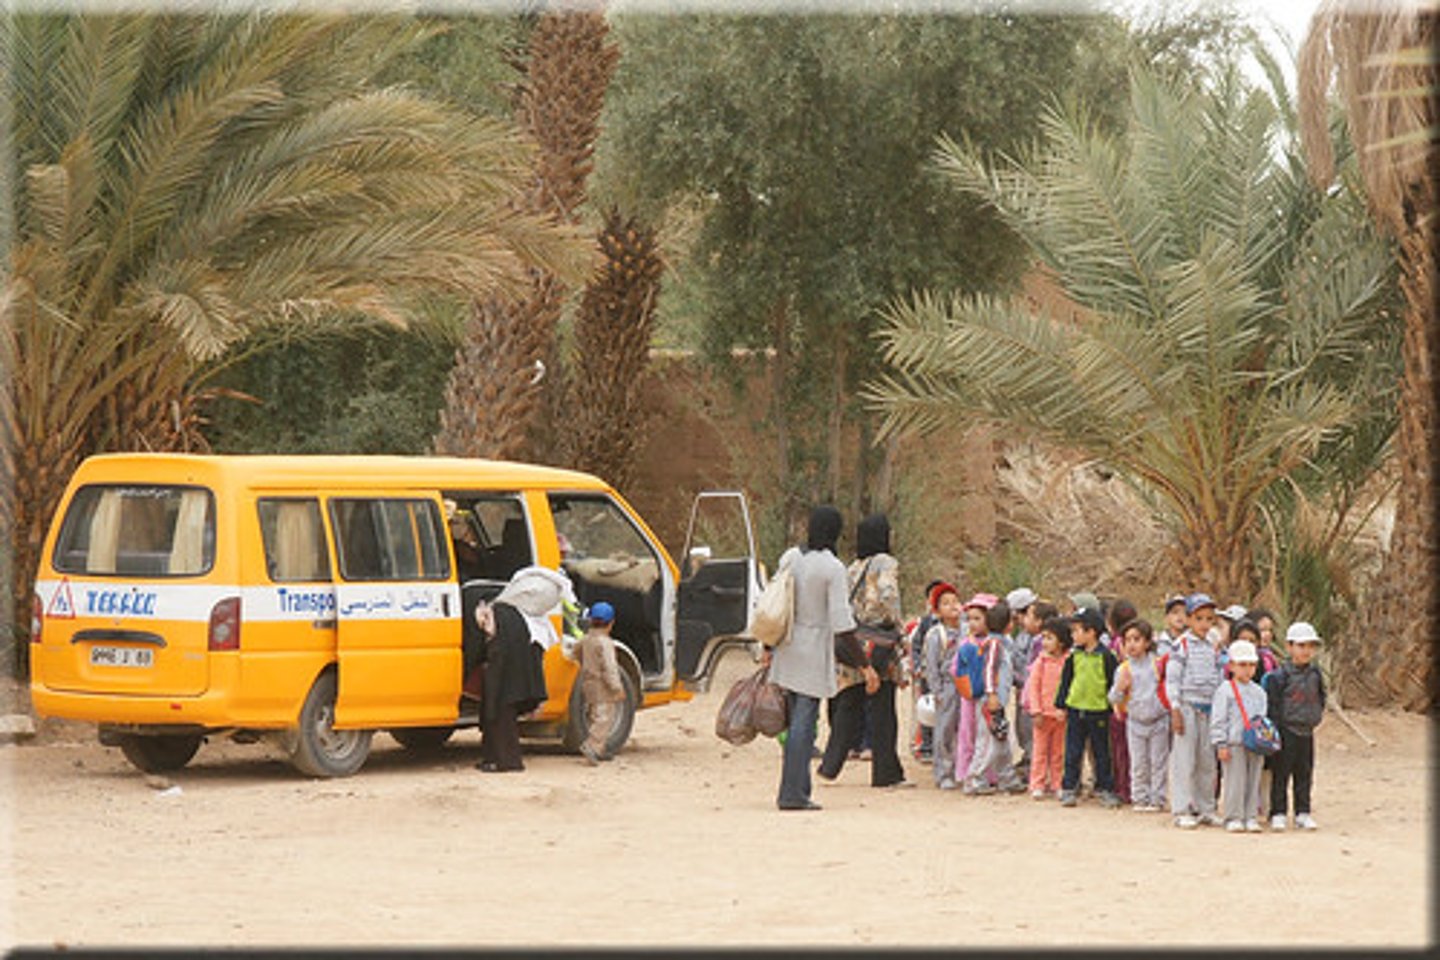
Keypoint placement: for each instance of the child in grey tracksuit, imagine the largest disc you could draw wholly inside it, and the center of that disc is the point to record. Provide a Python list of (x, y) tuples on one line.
[(1191, 676), (940, 645), (1236, 701), (1136, 691)]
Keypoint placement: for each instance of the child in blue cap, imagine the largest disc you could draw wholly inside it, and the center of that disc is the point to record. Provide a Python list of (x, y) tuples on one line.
[(1192, 673), (600, 683)]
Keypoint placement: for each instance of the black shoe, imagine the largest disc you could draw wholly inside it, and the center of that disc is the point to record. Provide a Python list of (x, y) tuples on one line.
[(807, 805), (490, 766)]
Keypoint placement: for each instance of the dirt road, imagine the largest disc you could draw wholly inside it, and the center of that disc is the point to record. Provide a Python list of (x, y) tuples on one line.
[(678, 842)]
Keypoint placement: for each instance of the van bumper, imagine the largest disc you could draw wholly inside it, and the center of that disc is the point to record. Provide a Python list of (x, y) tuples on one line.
[(214, 710)]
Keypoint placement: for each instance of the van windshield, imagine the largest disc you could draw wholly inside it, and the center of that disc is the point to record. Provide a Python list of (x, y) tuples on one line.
[(138, 531)]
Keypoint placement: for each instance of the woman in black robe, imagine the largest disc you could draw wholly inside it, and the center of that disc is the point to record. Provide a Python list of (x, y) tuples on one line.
[(514, 685)]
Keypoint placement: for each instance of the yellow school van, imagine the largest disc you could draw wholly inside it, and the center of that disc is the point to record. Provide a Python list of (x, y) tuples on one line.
[(315, 600)]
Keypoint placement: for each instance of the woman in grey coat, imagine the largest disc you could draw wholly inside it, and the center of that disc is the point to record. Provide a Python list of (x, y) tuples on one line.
[(821, 630)]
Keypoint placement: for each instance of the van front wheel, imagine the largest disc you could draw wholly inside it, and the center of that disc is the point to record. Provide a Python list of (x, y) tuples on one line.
[(317, 748), (159, 754), (577, 726)]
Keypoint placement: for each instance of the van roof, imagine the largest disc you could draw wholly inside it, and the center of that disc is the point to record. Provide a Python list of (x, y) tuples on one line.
[(354, 469)]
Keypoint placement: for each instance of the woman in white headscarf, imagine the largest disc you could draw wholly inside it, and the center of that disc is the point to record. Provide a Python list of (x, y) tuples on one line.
[(518, 631)]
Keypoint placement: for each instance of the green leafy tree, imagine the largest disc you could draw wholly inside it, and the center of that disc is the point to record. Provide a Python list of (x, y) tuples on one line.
[(182, 181), (1226, 308), (797, 148)]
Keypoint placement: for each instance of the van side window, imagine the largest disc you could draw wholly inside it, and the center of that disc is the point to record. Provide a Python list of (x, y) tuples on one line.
[(389, 539), (491, 534), (294, 539), (138, 531)]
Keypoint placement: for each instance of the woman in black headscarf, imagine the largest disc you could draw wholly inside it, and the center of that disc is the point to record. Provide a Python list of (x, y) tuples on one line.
[(821, 631), (874, 591)]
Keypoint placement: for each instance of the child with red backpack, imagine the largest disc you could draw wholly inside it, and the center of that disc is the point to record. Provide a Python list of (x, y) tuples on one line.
[(1136, 693), (1192, 673)]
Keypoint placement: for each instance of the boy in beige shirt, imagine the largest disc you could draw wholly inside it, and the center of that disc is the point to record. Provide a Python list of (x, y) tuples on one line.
[(600, 682)]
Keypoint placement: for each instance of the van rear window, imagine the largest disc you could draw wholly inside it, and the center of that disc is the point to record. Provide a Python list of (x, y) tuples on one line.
[(138, 531)]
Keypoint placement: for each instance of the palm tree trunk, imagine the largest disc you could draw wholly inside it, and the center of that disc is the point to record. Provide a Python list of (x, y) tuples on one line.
[(1389, 658)]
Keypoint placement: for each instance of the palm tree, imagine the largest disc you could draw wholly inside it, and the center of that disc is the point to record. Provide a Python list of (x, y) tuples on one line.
[(1222, 304), (1381, 60), (612, 333), (495, 396), (184, 181)]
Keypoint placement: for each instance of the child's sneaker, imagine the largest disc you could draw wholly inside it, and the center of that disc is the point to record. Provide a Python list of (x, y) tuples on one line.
[(976, 788), (1211, 820), (947, 784), (1252, 826), (1304, 821), (1109, 800), (1186, 822), (1067, 798), (1277, 823), (1037, 794), (1234, 826)]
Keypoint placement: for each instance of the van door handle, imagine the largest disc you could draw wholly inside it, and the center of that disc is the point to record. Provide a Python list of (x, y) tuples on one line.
[(326, 624), (445, 605)]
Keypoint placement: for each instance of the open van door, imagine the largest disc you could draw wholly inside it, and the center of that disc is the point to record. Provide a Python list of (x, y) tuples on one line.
[(719, 584)]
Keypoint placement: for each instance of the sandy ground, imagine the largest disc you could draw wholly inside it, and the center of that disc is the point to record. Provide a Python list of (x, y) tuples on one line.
[(678, 843)]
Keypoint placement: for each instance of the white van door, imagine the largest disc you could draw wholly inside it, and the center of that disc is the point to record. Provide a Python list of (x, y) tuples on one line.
[(719, 583)]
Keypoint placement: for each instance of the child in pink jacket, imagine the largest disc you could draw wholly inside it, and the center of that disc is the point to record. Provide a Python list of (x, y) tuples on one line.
[(1047, 765)]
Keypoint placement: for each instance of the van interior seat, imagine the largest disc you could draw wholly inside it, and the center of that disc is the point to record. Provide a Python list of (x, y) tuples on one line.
[(511, 553)]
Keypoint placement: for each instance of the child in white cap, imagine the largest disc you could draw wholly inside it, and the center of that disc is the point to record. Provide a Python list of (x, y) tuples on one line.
[(1296, 693), (1235, 702)]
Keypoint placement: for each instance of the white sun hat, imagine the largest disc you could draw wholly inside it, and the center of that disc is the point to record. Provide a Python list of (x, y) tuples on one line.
[(1301, 632), (1243, 651)]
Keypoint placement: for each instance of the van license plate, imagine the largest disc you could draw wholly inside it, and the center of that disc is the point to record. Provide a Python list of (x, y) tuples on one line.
[(121, 657)]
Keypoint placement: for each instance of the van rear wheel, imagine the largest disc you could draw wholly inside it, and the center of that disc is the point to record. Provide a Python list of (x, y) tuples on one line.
[(317, 748), (159, 754)]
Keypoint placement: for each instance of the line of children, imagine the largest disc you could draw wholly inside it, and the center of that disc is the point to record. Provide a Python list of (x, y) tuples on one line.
[(1182, 696)]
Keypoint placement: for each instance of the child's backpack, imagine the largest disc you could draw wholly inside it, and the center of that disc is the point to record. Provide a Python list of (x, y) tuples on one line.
[(1161, 663), (1260, 735), (1268, 660)]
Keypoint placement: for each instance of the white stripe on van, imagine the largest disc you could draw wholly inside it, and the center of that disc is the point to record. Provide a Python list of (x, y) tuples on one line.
[(125, 600), (300, 601)]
